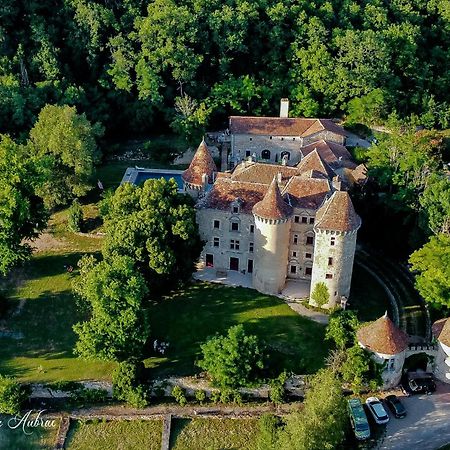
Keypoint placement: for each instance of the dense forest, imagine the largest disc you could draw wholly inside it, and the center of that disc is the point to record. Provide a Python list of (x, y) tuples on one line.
[(137, 66)]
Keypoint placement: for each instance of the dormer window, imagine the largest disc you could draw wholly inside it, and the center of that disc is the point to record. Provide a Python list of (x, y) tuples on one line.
[(236, 206), (235, 209)]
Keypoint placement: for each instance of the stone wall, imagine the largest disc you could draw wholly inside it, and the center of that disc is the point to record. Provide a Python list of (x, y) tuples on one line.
[(442, 363), (337, 275)]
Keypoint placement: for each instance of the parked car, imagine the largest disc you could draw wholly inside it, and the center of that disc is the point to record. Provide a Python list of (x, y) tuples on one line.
[(358, 419), (419, 384), (396, 406), (377, 410)]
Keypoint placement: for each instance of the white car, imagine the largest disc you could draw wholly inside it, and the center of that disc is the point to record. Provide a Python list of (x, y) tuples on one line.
[(377, 410)]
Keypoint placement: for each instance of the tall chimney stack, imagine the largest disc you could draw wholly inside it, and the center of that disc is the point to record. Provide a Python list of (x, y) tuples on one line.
[(284, 107)]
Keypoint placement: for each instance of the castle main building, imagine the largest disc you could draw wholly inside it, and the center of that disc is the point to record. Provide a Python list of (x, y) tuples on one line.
[(283, 211)]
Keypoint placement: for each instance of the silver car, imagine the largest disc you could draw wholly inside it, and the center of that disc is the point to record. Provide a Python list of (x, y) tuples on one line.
[(377, 410)]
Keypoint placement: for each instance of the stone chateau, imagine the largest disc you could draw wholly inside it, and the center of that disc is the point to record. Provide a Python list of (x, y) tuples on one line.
[(282, 212)]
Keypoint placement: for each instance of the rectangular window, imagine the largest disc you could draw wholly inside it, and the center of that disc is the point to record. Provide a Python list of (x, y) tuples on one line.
[(235, 209), (251, 139), (234, 244), (250, 247), (294, 254), (252, 228), (209, 260), (304, 220), (308, 271), (295, 239), (296, 219), (234, 226), (332, 241), (308, 255), (216, 242), (309, 240), (247, 153), (328, 276), (311, 220), (217, 224), (330, 261), (293, 269)]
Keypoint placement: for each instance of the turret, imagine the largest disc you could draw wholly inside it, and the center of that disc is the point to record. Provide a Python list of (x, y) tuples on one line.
[(441, 332), (272, 226), (388, 345), (200, 173), (335, 230)]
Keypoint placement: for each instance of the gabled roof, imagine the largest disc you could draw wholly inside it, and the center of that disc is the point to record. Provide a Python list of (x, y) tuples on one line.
[(337, 214), (202, 163), (441, 331), (282, 126), (308, 193), (329, 151), (272, 206), (262, 173), (382, 336), (313, 161)]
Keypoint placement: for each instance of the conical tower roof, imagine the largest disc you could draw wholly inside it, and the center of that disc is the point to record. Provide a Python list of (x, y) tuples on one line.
[(338, 214), (382, 336), (272, 206), (441, 331), (202, 163)]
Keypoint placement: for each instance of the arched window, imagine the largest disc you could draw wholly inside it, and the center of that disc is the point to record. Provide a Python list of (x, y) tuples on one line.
[(286, 155), (265, 154)]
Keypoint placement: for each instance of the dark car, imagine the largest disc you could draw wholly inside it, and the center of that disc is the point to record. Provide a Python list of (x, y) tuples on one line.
[(396, 406)]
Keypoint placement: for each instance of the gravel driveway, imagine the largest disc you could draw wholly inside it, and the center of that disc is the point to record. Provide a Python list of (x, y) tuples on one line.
[(427, 425)]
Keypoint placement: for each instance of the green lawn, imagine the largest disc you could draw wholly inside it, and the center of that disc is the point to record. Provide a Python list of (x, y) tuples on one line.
[(214, 434), (44, 351), (115, 435), (188, 317), (40, 439)]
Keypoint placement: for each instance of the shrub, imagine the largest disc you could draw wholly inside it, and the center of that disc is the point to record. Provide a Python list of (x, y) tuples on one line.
[(83, 396), (268, 427), (12, 395), (237, 398), (75, 219), (320, 294), (226, 396), (215, 396), (179, 395), (200, 396), (277, 389), (127, 383)]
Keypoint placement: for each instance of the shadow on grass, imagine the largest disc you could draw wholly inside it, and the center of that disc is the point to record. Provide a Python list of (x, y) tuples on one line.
[(178, 425)]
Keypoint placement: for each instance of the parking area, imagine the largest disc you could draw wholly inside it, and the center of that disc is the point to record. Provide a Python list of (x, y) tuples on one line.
[(427, 425)]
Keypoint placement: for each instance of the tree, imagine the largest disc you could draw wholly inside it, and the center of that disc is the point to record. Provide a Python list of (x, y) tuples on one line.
[(268, 429), (322, 422), (127, 383), (155, 226), (232, 360), (320, 294), (342, 328), (368, 109), (63, 145), (435, 202), (75, 218), (12, 395), (432, 262), (22, 213), (360, 370), (114, 293)]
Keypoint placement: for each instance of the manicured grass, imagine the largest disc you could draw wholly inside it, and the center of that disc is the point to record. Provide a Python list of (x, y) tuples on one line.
[(15, 439), (188, 317), (115, 435), (214, 434), (44, 351), (367, 296)]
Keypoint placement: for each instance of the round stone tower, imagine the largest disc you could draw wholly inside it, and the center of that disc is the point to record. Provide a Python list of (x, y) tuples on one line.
[(200, 172), (335, 228), (441, 331), (272, 227)]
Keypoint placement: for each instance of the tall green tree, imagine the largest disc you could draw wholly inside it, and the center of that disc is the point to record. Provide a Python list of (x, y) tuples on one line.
[(323, 420), (22, 213), (114, 294), (155, 226), (63, 145), (432, 262), (342, 328)]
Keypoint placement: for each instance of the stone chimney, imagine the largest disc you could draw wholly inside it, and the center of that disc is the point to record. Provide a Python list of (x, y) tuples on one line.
[(284, 107)]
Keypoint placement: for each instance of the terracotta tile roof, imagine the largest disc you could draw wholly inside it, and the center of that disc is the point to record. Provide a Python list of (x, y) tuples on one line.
[(262, 173), (225, 191), (382, 336), (307, 193), (441, 331), (337, 213), (202, 163), (313, 161), (281, 126), (272, 206), (330, 152)]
